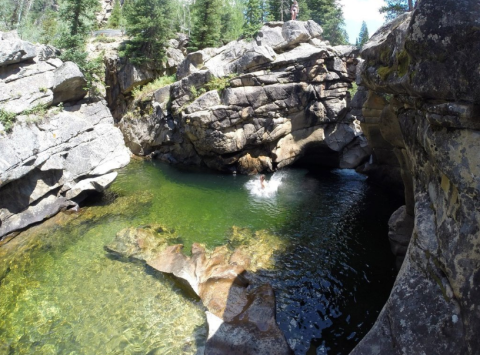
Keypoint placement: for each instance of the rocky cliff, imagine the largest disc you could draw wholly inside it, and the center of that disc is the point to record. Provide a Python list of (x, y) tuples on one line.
[(250, 107), (422, 72), (50, 156)]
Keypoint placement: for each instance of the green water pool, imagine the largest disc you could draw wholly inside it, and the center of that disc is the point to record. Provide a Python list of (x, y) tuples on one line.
[(60, 293)]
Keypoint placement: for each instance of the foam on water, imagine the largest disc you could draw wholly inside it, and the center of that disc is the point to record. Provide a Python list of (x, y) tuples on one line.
[(254, 186)]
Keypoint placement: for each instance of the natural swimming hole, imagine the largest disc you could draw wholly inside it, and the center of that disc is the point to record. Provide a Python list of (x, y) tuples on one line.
[(60, 293)]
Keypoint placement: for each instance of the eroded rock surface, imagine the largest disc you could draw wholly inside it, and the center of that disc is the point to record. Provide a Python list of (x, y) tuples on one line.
[(28, 80), (423, 109), (285, 99), (240, 309), (52, 156), (121, 76)]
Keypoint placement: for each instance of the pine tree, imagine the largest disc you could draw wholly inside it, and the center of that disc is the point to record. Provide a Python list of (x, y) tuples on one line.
[(363, 37), (329, 14), (278, 10), (232, 20), (394, 8), (304, 13), (207, 24), (253, 18), (115, 18), (149, 26), (77, 21)]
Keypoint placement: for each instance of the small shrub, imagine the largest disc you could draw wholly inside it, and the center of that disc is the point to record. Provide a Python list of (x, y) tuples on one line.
[(7, 119), (38, 110), (43, 90), (353, 90), (140, 92), (219, 84), (104, 39)]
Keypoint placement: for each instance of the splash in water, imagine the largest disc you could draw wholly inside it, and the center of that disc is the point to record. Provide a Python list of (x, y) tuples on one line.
[(269, 188)]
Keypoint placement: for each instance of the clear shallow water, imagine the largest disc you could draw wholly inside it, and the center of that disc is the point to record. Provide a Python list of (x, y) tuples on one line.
[(61, 293)]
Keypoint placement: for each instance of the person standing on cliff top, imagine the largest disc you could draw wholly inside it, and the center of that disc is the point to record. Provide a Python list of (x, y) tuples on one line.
[(294, 10)]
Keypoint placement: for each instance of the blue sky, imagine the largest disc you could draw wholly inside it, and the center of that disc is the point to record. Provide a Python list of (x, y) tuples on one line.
[(356, 11)]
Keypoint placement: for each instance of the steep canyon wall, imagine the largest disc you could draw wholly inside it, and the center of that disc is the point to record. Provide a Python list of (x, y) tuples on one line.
[(52, 156), (422, 73)]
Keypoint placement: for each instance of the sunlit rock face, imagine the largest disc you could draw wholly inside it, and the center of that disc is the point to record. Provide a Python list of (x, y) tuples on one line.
[(121, 76), (255, 106), (424, 66), (52, 156), (240, 308)]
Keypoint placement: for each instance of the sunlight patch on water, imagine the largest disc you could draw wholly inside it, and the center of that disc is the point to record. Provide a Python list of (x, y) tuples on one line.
[(61, 294)]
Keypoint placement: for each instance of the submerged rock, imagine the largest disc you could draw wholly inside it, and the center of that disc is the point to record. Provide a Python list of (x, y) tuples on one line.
[(241, 309)]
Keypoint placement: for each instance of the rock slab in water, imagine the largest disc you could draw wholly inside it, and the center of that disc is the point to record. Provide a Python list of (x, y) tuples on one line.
[(241, 311)]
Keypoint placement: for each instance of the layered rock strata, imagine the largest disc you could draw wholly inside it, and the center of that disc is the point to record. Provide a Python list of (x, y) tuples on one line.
[(240, 309), (255, 106), (121, 76), (424, 66), (51, 157)]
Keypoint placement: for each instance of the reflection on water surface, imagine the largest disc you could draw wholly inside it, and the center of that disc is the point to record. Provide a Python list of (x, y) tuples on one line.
[(61, 293)]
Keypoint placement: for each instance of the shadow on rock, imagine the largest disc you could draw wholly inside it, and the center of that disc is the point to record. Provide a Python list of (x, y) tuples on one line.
[(240, 307)]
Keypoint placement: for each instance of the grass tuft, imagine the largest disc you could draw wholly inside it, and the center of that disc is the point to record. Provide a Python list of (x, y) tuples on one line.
[(140, 93)]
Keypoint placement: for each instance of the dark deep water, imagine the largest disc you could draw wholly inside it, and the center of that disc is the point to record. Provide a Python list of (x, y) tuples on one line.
[(60, 293)]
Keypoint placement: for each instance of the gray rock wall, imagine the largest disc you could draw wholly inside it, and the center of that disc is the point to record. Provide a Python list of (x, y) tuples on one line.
[(423, 66), (286, 100), (52, 157)]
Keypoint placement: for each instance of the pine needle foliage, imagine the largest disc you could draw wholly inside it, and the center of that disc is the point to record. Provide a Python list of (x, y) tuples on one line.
[(363, 36), (207, 24), (329, 14), (78, 20), (115, 19), (149, 26), (394, 8), (253, 18), (232, 20)]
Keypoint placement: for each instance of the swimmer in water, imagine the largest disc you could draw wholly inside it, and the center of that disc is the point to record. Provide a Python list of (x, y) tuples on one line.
[(262, 181)]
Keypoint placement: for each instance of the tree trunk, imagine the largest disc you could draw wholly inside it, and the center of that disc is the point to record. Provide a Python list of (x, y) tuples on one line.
[(281, 10), (410, 5)]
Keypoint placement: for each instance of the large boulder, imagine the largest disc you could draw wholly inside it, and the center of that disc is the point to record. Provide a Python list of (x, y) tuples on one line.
[(32, 80), (288, 35), (14, 50), (46, 165), (68, 83)]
